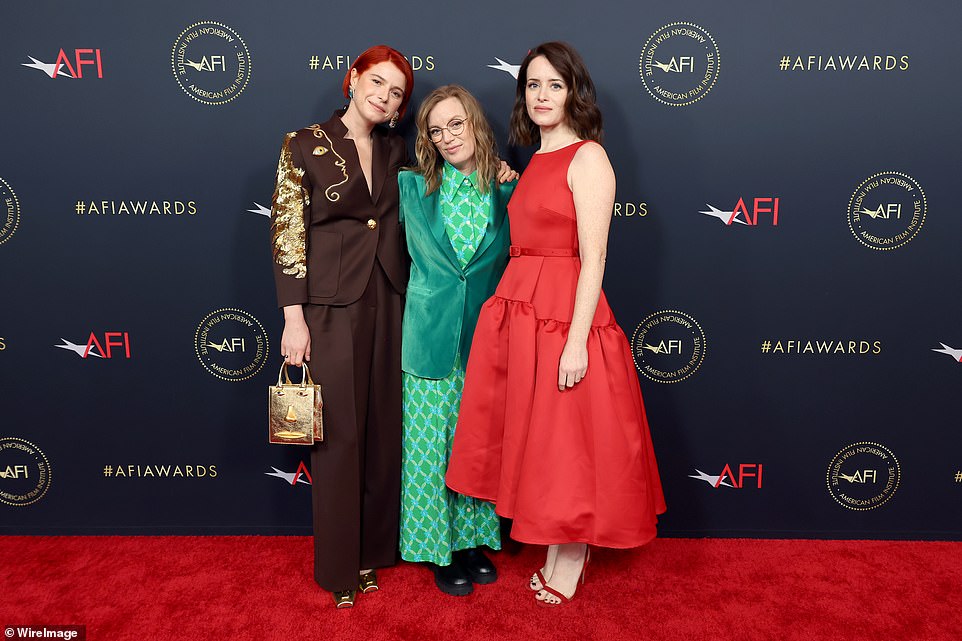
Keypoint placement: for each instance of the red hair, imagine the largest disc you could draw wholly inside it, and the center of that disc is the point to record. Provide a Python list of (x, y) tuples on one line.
[(384, 53)]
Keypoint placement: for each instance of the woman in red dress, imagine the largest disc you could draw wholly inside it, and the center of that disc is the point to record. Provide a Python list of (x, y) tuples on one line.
[(552, 426)]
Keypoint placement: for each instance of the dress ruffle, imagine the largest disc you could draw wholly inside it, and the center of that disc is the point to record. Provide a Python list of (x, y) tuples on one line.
[(568, 466)]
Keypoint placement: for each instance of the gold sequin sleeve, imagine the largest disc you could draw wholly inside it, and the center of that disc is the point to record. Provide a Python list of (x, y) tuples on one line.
[(291, 201)]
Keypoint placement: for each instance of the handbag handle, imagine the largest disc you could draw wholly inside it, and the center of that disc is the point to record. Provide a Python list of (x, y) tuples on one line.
[(305, 375)]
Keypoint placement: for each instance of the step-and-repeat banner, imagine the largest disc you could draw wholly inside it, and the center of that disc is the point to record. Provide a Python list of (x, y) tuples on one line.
[(784, 252)]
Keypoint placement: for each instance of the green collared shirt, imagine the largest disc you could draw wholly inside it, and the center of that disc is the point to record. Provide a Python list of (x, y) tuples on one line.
[(464, 210)]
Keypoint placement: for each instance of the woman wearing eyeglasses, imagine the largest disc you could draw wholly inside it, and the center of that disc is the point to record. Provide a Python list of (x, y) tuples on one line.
[(454, 214)]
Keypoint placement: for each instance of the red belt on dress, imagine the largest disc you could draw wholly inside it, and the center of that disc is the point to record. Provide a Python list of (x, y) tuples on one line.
[(560, 252)]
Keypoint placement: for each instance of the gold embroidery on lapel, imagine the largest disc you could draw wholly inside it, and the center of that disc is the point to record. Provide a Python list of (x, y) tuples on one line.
[(290, 200), (332, 195)]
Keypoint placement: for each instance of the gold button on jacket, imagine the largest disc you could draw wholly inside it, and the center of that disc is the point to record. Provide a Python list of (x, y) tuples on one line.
[(329, 225)]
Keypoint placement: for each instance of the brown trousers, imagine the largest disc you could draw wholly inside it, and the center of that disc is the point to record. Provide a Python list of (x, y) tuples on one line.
[(356, 470)]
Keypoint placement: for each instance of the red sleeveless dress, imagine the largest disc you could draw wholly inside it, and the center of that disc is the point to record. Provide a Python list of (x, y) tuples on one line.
[(572, 466)]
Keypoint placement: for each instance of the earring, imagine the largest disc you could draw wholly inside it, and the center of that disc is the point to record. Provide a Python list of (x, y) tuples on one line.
[(393, 122), (350, 93)]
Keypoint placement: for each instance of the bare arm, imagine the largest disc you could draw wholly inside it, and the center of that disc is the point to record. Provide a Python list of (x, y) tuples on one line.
[(592, 182)]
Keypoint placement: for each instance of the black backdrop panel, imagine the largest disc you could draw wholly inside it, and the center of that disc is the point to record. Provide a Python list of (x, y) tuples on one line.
[(801, 373)]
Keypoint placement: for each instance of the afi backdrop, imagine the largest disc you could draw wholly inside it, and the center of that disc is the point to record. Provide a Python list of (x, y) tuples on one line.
[(784, 250)]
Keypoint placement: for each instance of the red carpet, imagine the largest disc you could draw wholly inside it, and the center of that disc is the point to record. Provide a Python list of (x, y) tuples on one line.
[(261, 588)]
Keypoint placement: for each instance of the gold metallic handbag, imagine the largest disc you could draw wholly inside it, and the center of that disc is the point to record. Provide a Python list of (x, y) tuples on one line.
[(295, 410)]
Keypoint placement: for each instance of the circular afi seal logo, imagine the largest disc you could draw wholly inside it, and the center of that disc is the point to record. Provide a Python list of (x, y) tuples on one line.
[(887, 210), (11, 211), (863, 476), (679, 64), (24, 472), (231, 344), (211, 62), (668, 346)]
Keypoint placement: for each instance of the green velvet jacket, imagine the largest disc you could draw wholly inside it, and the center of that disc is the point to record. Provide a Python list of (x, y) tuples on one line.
[(444, 299)]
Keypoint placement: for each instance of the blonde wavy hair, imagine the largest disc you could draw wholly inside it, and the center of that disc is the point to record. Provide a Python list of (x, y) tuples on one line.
[(429, 160)]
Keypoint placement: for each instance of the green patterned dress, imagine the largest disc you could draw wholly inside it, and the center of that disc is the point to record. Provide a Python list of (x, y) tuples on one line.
[(434, 520)]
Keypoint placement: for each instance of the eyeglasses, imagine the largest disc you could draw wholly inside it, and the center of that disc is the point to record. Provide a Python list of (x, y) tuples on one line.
[(455, 128)]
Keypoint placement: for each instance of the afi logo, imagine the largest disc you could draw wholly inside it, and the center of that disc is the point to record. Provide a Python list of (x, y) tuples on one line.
[(671, 346), (860, 476), (885, 212), (101, 349), (71, 65), (208, 63), (676, 65), (295, 477), (14, 472), (760, 207), (228, 345), (750, 473)]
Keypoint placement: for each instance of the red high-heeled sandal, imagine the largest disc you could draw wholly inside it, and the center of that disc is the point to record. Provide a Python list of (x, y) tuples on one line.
[(563, 600)]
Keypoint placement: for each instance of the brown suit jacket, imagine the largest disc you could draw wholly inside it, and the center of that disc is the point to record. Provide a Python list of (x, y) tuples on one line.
[(327, 228)]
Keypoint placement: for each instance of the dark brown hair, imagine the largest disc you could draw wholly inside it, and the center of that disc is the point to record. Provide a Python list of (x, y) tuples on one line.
[(581, 108), (430, 162)]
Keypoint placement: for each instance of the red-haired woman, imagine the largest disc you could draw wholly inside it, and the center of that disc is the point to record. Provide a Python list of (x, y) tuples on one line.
[(340, 276), (552, 425)]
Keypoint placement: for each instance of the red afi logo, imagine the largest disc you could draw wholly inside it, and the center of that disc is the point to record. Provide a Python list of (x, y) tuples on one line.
[(71, 65), (105, 349), (767, 206), (728, 478), (293, 477)]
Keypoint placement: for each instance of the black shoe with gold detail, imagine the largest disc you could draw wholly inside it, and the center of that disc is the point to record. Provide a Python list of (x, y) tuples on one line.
[(367, 582), (344, 599)]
